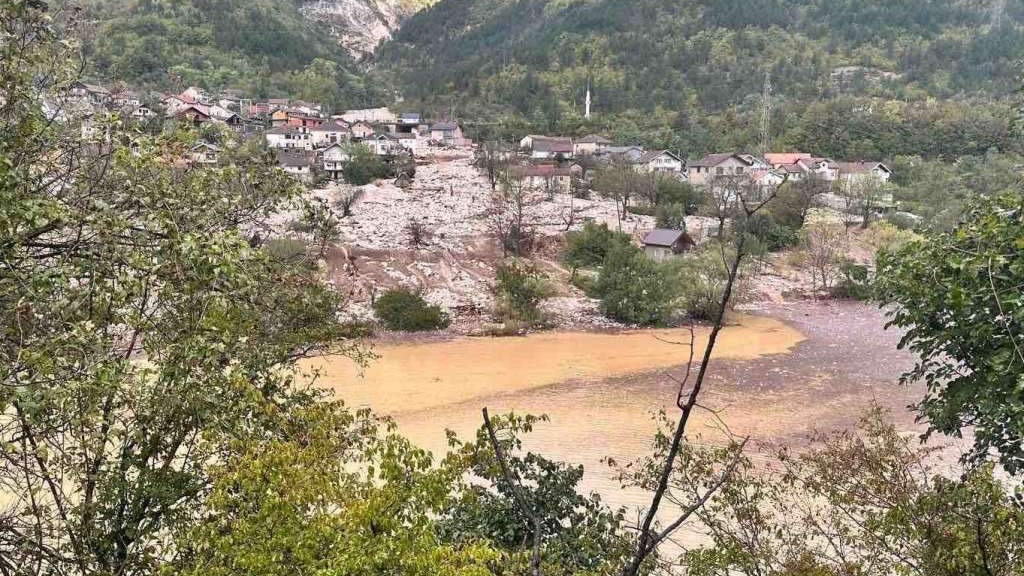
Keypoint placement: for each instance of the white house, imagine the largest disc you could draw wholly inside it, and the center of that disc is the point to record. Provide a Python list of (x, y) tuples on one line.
[(450, 133), (361, 129), (410, 142), (660, 161), (141, 112), (205, 153), (289, 137), (371, 115), (590, 144), (850, 172), (547, 147), (727, 164), (661, 244), (383, 144), (330, 133), (334, 158), (298, 165)]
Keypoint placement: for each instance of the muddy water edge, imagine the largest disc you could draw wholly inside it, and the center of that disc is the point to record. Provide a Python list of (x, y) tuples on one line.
[(778, 374)]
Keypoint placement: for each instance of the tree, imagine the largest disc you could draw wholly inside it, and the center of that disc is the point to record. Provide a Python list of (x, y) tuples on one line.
[(823, 245), (958, 296), (320, 223), (336, 492), (509, 215), (492, 159), (588, 247), (523, 496), (869, 501), (795, 200), (364, 166), (635, 289), (141, 333), (861, 196), (621, 182), (723, 199), (347, 200), (406, 311), (519, 290)]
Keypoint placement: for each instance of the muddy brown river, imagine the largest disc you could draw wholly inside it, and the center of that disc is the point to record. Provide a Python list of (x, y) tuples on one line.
[(776, 376)]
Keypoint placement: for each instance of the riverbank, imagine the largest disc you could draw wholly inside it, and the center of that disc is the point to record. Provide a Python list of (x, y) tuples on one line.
[(812, 366)]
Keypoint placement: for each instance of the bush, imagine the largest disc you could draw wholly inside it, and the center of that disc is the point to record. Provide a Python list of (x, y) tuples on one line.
[(634, 289), (518, 293), (403, 311), (364, 166), (642, 210), (674, 191), (854, 283), (701, 278), (588, 247), (772, 235), (671, 216)]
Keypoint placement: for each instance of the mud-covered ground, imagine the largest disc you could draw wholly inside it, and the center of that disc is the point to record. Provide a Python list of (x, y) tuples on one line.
[(824, 379)]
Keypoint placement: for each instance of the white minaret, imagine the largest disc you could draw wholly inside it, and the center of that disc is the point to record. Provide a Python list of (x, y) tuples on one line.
[(586, 113)]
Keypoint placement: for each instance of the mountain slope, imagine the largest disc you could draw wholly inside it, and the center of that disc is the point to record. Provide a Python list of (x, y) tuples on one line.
[(360, 25), (692, 63), (266, 47)]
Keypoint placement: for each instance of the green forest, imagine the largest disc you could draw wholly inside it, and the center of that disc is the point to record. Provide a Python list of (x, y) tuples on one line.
[(265, 47), (906, 77)]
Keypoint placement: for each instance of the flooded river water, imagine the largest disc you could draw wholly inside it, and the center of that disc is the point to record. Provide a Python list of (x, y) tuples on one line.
[(775, 377)]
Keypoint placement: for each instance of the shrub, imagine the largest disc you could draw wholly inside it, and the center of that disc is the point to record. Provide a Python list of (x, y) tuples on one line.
[(634, 289), (518, 293), (673, 191), (854, 283), (403, 311), (587, 247), (701, 278), (772, 235), (671, 216), (642, 210), (364, 166)]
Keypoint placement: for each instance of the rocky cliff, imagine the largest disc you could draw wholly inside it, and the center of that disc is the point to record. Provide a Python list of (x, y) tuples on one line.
[(360, 25)]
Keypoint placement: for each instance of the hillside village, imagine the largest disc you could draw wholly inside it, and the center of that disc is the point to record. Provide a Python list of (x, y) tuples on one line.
[(435, 186)]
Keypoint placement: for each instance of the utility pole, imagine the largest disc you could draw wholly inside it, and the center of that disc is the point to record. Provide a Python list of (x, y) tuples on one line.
[(766, 113)]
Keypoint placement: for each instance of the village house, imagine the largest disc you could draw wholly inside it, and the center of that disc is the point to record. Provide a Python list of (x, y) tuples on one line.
[(289, 137), (196, 94), (296, 164), (139, 113), (293, 117), (205, 154), (383, 144), (92, 93), (822, 168), (409, 142), (660, 162), (125, 98), (334, 158), (448, 133), (362, 130), (547, 147), (661, 244), (590, 144), (629, 154), (702, 171), (306, 108), (780, 159), (548, 178), (194, 114), (852, 172), (371, 115), (334, 132)]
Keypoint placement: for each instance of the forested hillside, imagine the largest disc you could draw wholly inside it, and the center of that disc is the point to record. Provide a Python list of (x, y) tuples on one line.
[(932, 77), (265, 47)]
